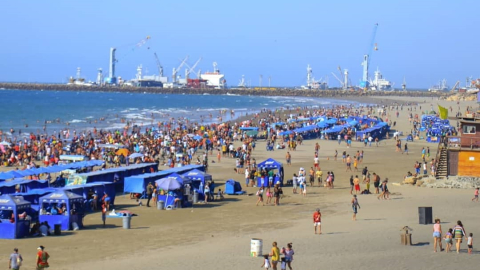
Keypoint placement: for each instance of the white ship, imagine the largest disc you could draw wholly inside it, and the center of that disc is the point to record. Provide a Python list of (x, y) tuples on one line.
[(441, 86), (214, 79), (379, 83), (312, 83)]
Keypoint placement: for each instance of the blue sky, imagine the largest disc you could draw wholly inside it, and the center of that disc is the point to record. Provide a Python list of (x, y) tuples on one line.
[(423, 41)]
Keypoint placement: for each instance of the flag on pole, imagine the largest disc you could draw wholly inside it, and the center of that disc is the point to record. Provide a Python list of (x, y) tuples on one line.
[(443, 112)]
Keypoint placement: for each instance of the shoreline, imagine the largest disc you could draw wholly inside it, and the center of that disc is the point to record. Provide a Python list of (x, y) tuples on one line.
[(191, 91)]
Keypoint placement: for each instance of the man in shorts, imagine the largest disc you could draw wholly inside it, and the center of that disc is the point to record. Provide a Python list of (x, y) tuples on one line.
[(317, 221)]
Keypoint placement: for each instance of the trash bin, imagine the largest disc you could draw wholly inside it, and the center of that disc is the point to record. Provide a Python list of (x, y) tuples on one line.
[(195, 197), (160, 205), (57, 229), (126, 221), (425, 215)]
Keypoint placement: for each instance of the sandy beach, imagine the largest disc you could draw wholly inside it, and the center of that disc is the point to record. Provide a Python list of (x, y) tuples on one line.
[(217, 235)]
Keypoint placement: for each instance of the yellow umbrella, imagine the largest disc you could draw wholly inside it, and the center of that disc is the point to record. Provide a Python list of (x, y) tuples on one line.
[(123, 152)]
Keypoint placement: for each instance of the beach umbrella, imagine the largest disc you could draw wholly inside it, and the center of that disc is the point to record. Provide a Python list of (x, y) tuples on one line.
[(7, 175), (5, 143), (197, 137), (135, 155), (123, 152), (168, 183)]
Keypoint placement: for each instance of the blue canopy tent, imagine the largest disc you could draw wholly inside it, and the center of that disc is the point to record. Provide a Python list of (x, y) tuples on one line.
[(33, 196), (198, 181), (24, 185), (109, 175), (88, 190), (138, 183), (176, 188), (12, 206), (72, 214), (271, 164)]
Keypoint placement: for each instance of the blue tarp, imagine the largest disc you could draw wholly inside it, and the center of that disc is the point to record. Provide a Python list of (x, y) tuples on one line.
[(51, 169), (8, 187), (249, 128), (232, 187)]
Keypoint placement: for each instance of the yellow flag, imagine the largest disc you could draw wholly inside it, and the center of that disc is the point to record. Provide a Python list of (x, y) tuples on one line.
[(443, 112)]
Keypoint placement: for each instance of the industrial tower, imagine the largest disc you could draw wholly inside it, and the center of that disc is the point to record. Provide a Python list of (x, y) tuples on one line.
[(364, 83)]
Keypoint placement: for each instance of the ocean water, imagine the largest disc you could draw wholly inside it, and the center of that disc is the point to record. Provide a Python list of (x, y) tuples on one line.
[(32, 111)]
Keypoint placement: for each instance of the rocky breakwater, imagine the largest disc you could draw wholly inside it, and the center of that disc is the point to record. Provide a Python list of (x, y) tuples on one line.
[(334, 93), (464, 182)]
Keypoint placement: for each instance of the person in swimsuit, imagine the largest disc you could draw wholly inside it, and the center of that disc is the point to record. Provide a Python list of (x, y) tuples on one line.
[(437, 234), (288, 252), (448, 240), (355, 207)]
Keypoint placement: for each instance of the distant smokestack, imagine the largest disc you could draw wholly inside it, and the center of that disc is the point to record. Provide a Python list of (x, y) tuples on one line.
[(111, 73)]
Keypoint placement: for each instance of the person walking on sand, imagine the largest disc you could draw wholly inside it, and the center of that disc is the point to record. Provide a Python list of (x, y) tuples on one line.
[(42, 258), (385, 192), (266, 262), (15, 260), (288, 158), (317, 221), (351, 184), (349, 163), (448, 240), (294, 183), (288, 252), (376, 182), (355, 207), (275, 254), (459, 234), (260, 196), (470, 243), (475, 197), (437, 235)]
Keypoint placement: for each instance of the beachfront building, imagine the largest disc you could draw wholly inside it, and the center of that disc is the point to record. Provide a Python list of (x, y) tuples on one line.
[(459, 155)]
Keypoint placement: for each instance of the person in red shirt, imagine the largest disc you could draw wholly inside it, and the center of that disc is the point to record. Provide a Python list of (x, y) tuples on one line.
[(317, 221), (42, 258)]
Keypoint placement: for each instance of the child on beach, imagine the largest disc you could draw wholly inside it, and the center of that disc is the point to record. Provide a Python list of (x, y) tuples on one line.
[(475, 198), (470, 243), (266, 262), (448, 240), (283, 265)]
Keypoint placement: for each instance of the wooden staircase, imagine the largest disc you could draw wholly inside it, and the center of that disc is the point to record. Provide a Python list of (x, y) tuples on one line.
[(441, 163)]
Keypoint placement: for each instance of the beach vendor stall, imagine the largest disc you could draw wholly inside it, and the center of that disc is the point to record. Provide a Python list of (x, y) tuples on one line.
[(270, 165), (62, 207), (175, 191), (21, 185), (198, 179), (12, 217)]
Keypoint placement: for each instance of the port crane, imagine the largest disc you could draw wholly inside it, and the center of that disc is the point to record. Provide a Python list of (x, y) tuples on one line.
[(372, 46), (191, 69), (344, 75), (159, 66), (455, 86), (175, 70)]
